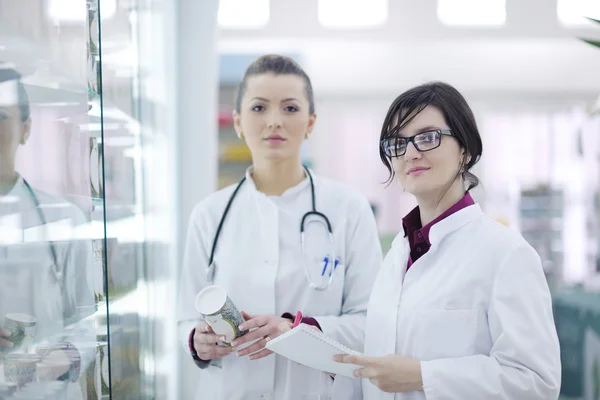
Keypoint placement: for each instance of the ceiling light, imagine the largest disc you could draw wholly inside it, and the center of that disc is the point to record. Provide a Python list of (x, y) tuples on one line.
[(244, 14), (472, 12), (352, 13), (75, 10), (572, 12)]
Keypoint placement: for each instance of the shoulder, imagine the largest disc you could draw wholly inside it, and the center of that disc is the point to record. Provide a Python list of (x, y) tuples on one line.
[(503, 237), (57, 207), (214, 204), (503, 245)]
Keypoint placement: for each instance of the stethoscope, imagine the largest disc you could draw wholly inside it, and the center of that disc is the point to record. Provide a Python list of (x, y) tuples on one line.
[(42, 218), (329, 261)]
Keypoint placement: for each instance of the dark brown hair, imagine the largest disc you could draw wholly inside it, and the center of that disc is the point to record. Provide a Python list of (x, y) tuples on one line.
[(457, 114), (277, 65)]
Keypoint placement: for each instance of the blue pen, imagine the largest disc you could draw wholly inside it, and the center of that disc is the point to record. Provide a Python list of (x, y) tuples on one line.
[(326, 261), (335, 264)]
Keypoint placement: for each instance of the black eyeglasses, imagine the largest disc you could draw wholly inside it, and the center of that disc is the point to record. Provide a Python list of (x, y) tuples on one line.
[(424, 141)]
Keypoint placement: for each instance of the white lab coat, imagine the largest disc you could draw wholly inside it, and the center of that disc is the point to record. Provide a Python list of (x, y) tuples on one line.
[(259, 263), (28, 283), (475, 309)]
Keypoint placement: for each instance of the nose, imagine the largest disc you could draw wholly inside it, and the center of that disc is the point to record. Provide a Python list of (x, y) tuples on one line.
[(273, 120), (411, 152)]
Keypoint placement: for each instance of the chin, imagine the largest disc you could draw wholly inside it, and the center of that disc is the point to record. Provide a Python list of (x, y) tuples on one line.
[(417, 190), (275, 155)]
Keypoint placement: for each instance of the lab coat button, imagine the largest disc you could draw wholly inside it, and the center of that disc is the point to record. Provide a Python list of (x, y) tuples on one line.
[(266, 396), (418, 249)]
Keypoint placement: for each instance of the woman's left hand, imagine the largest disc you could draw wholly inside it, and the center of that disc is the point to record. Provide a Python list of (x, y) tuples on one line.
[(391, 374), (265, 326)]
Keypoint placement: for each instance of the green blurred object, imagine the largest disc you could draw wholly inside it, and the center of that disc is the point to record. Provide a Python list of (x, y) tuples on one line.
[(595, 109), (593, 42), (386, 242), (596, 375), (577, 319)]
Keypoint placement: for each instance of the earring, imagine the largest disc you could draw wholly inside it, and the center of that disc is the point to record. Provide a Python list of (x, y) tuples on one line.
[(241, 136)]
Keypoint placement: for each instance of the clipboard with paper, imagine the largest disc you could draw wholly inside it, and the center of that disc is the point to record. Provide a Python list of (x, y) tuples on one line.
[(312, 348)]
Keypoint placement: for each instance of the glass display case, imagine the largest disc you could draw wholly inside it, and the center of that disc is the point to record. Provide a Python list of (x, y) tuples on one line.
[(75, 309)]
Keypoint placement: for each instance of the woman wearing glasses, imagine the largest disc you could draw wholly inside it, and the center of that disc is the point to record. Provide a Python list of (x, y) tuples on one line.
[(257, 254), (460, 308)]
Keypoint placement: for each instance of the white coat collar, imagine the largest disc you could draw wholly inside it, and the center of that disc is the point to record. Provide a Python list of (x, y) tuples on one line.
[(443, 228), (454, 222), (17, 189), (290, 192)]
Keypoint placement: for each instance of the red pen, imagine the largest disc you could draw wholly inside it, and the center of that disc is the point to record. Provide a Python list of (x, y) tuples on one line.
[(298, 319)]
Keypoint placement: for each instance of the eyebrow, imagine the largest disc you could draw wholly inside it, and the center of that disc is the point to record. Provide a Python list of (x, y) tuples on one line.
[(282, 101), (418, 131), (428, 128)]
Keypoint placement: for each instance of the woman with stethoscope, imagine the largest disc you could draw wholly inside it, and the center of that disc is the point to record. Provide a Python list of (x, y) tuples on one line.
[(460, 309), (282, 240), (42, 280)]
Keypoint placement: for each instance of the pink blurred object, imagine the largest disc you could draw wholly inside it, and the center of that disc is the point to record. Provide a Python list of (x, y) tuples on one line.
[(56, 157)]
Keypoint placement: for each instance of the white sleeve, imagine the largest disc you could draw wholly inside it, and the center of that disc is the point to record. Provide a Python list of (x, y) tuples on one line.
[(524, 362), (363, 259), (193, 277)]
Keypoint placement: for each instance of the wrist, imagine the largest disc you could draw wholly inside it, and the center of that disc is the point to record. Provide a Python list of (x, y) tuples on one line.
[(197, 360), (417, 376)]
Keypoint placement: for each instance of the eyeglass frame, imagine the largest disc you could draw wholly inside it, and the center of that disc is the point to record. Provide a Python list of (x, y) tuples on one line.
[(411, 139)]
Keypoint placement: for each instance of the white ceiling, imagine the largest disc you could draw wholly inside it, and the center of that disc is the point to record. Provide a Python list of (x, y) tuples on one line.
[(531, 53), (412, 19)]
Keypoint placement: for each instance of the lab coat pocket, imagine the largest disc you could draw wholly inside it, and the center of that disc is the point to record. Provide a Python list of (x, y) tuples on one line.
[(445, 333)]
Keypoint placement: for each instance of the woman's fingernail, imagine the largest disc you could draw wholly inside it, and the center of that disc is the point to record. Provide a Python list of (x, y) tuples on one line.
[(242, 327), (222, 338)]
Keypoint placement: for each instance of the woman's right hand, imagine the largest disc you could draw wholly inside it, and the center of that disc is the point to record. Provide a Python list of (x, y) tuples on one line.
[(205, 343), (4, 336)]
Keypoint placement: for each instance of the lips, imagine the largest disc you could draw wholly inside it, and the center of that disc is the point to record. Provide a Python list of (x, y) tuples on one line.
[(275, 138), (417, 170)]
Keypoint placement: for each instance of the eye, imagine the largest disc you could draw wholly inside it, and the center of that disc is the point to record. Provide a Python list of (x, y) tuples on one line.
[(291, 109), (258, 108), (427, 137)]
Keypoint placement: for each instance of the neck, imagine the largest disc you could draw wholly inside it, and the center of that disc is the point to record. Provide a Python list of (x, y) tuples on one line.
[(8, 179), (431, 207), (273, 178)]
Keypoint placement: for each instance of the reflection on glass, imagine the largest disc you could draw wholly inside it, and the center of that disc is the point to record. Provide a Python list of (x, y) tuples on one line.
[(53, 339), (46, 279)]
